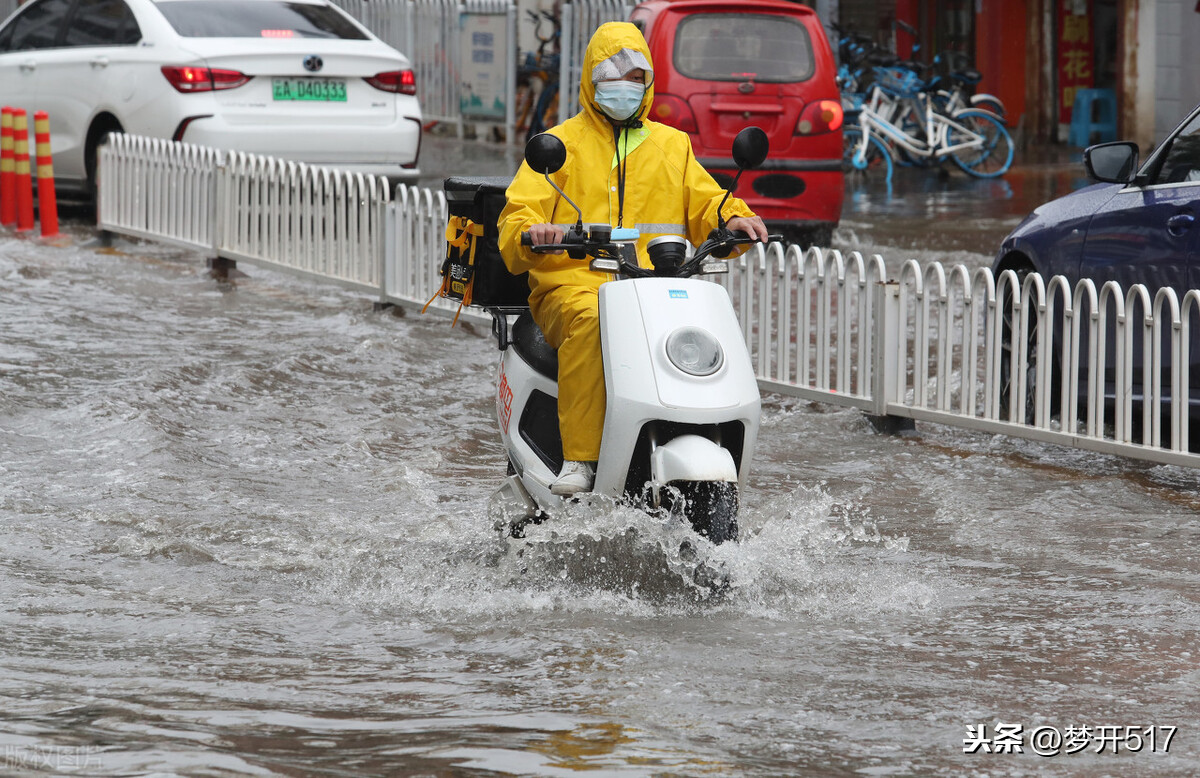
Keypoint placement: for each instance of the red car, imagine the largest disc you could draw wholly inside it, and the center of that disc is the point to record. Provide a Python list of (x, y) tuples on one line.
[(722, 65)]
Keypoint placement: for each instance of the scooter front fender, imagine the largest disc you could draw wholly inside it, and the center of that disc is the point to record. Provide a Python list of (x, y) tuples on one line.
[(692, 458)]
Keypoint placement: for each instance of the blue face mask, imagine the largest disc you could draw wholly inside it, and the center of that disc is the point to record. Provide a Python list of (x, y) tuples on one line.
[(620, 99)]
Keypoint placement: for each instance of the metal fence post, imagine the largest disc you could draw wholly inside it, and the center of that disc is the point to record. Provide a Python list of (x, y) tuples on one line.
[(410, 32), (566, 51), (887, 365), (510, 82)]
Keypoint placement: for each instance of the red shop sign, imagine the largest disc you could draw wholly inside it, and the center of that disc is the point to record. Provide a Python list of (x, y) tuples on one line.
[(1075, 54)]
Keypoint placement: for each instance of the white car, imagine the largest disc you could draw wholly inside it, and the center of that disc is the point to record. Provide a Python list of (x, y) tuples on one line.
[(298, 79)]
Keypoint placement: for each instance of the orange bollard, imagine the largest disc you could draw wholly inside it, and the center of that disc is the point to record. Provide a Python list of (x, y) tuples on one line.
[(47, 202), (8, 185), (23, 178)]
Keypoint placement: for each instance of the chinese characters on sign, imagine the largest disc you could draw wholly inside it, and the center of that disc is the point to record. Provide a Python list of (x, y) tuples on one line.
[(1053, 741), (1075, 54)]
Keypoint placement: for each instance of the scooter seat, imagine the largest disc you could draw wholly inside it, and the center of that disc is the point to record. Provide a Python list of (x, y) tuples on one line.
[(532, 347)]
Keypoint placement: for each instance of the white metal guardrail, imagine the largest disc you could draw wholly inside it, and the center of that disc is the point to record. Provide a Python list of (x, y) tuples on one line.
[(159, 189), (317, 221), (930, 344), (807, 316)]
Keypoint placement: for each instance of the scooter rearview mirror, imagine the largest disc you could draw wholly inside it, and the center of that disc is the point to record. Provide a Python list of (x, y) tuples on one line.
[(545, 153), (750, 148)]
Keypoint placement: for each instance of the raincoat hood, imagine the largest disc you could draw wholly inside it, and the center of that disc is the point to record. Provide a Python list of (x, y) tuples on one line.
[(608, 40)]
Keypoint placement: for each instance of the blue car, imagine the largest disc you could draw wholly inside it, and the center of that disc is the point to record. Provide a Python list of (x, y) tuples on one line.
[(1138, 225)]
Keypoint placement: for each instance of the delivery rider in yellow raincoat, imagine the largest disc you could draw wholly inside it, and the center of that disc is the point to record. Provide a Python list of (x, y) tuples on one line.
[(624, 168)]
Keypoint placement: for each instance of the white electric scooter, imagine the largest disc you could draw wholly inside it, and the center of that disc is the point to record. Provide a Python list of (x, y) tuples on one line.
[(683, 403)]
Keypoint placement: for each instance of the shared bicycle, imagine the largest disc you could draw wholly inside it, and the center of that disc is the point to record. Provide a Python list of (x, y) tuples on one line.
[(894, 116)]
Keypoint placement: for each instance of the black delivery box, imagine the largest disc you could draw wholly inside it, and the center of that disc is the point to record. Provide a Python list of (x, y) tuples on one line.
[(481, 199)]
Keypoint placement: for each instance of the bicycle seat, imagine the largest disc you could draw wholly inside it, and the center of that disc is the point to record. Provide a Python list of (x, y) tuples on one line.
[(968, 76)]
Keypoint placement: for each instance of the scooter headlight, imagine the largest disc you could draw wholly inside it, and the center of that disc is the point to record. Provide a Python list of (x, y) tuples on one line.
[(694, 351)]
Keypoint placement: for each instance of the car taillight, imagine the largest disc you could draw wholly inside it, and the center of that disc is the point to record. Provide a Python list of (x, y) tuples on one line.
[(189, 78), (402, 81), (672, 110), (820, 117)]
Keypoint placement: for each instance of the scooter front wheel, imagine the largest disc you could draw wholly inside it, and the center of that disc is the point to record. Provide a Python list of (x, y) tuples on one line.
[(710, 506)]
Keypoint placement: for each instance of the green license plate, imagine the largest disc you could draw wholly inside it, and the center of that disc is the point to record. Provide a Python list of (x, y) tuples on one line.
[(331, 90)]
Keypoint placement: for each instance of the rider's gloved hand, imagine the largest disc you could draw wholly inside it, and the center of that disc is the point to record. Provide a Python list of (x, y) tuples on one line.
[(751, 225), (546, 233)]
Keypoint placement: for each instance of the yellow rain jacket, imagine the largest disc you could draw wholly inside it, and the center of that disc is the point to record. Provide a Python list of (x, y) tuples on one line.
[(666, 192)]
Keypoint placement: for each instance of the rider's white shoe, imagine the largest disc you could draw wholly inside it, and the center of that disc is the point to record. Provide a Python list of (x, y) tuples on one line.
[(574, 477)]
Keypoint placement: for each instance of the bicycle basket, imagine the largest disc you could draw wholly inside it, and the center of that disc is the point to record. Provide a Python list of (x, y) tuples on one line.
[(898, 82)]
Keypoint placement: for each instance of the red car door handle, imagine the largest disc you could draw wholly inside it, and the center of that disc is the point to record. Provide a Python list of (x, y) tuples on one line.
[(1180, 223)]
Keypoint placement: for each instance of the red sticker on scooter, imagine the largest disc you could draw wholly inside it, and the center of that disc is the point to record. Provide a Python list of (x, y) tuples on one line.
[(504, 398)]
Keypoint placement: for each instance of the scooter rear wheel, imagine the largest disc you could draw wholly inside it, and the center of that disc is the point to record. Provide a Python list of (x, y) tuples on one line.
[(710, 506)]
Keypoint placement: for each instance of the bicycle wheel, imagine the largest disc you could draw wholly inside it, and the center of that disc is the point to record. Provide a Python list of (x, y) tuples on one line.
[(990, 104), (994, 157), (861, 163)]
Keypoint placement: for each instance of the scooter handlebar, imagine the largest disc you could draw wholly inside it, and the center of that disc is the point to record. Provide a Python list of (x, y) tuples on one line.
[(546, 248), (730, 239), (722, 244), (741, 236)]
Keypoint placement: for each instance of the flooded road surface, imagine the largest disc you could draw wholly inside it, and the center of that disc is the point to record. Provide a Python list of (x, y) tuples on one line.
[(243, 532)]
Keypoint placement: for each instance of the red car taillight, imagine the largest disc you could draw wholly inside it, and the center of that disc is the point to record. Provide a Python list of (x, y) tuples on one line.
[(401, 81), (820, 117), (672, 110), (189, 78)]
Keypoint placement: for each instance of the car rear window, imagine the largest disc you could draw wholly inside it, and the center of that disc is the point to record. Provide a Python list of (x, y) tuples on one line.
[(741, 46), (231, 19)]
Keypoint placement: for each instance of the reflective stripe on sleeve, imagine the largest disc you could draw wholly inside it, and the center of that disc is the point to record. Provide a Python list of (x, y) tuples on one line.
[(662, 229)]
